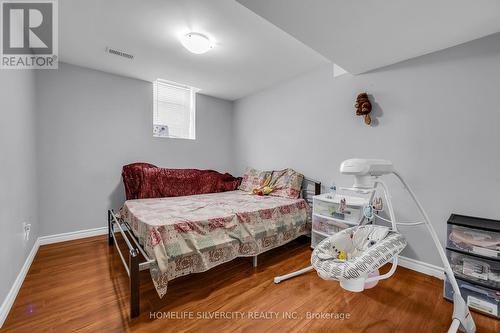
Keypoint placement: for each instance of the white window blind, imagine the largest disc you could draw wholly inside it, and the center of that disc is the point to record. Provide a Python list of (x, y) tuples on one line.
[(174, 110)]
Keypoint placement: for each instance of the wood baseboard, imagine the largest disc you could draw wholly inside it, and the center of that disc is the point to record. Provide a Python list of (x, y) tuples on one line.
[(421, 267), (67, 236), (18, 282)]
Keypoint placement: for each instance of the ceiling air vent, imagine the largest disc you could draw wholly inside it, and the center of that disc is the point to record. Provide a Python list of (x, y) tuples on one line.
[(119, 53)]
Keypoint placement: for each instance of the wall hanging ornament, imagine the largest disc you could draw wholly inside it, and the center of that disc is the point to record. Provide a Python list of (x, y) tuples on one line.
[(363, 107)]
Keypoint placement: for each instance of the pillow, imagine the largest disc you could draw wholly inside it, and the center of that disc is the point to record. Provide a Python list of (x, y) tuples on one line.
[(286, 183), (253, 178)]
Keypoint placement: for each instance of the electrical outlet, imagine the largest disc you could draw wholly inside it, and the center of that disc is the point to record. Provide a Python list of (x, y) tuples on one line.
[(26, 229)]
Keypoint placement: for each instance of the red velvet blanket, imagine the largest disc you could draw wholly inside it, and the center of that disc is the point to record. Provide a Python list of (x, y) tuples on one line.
[(143, 180)]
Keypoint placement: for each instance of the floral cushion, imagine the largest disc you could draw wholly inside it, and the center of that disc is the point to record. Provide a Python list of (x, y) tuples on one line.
[(253, 178), (286, 183)]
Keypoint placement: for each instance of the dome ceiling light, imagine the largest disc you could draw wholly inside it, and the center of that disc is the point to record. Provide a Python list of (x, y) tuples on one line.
[(197, 43)]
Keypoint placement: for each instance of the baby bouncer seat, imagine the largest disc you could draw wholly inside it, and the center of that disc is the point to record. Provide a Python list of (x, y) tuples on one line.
[(352, 255)]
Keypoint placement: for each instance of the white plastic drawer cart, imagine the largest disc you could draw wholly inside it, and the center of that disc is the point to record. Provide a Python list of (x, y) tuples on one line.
[(329, 218)]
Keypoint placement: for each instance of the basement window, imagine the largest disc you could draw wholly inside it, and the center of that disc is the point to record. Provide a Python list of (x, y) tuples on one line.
[(174, 110)]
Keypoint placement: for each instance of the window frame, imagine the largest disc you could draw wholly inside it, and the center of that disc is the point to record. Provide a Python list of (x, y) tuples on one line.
[(192, 109)]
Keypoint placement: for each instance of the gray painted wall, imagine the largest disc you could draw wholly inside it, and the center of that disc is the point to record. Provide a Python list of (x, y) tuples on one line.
[(91, 124), (436, 118), (17, 172)]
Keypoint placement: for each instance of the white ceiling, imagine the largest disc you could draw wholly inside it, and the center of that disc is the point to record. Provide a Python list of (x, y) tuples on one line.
[(251, 54), (364, 35)]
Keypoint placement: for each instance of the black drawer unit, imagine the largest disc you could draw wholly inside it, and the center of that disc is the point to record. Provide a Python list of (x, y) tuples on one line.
[(473, 250)]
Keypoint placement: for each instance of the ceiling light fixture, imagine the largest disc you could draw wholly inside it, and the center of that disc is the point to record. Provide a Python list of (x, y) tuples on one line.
[(197, 43)]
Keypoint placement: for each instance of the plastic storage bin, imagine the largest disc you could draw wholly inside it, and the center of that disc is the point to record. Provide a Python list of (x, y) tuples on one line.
[(327, 226), (477, 241), (474, 269), (316, 238), (478, 298), (330, 207)]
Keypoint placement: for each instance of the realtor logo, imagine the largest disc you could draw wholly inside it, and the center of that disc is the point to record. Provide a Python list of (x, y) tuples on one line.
[(29, 34)]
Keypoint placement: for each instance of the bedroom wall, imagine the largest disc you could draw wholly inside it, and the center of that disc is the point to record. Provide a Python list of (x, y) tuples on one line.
[(91, 124), (436, 117), (17, 173)]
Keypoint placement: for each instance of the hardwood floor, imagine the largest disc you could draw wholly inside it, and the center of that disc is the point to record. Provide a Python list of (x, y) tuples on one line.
[(82, 286)]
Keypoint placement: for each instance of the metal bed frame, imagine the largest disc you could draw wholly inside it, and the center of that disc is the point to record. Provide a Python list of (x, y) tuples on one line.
[(133, 266)]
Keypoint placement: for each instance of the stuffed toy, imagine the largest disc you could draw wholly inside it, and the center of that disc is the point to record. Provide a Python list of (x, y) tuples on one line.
[(363, 107), (264, 189), (342, 255)]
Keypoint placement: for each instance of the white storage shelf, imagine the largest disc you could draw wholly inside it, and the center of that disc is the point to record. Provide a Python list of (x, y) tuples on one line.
[(327, 218), (327, 206), (336, 221)]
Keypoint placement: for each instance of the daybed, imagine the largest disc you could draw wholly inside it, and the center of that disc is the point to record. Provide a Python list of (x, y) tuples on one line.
[(191, 233)]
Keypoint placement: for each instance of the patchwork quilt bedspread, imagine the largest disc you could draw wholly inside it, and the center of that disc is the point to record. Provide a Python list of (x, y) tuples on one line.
[(192, 234)]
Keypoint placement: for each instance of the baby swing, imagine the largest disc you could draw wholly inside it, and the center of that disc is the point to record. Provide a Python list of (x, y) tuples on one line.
[(354, 255)]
